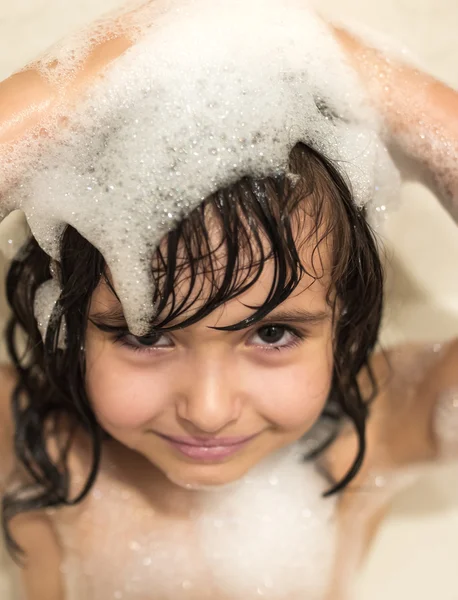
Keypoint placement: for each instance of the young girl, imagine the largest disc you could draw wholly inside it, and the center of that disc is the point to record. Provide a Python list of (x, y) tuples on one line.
[(245, 441)]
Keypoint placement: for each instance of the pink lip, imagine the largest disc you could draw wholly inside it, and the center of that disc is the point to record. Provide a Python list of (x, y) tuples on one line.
[(208, 449)]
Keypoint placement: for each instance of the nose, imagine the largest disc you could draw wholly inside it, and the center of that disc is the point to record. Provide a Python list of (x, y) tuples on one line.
[(210, 400)]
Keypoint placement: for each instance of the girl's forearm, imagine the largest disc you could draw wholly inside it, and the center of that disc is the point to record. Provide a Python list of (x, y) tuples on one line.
[(420, 116), (27, 100), (26, 96)]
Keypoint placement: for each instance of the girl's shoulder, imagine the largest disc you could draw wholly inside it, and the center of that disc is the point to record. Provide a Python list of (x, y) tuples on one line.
[(412, 382), (410, 423)]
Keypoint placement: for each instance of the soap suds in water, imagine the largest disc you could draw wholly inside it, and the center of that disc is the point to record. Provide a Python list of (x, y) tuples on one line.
[(269, 534), (210, 91), (278, 505)]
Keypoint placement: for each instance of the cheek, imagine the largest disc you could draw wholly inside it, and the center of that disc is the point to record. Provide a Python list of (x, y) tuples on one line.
[(122, 396), (294, 397)]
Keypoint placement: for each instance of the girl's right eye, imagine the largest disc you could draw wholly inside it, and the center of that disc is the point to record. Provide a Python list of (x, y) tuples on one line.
[(144, 344)]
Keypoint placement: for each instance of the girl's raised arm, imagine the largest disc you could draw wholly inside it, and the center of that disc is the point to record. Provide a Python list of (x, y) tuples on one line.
[(27, 99), (420, 114), (26, 96)]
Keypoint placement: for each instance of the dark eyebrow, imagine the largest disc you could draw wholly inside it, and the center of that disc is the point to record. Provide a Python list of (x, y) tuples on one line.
[(296, 315), (281, 316)]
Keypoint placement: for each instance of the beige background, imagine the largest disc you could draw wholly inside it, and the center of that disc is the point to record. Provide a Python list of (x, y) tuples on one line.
[(416, 553)]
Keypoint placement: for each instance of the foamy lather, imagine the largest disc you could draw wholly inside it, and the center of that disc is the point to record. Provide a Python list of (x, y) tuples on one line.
[(213, 91), (268, 535)]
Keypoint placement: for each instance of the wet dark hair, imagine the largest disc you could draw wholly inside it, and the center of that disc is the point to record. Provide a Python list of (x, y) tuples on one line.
[(260, 220)]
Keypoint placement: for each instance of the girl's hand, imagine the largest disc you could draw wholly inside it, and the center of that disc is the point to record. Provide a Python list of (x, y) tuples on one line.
[(420, 115)]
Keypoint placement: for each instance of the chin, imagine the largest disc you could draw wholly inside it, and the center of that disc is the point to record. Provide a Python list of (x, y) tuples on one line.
[(205, 477)]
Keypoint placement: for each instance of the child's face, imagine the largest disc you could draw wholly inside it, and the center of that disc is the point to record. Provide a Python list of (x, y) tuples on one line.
[(200, 385)]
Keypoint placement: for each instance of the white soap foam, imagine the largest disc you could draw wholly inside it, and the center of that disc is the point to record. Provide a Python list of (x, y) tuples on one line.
[(273, 535), (211, 91), (45, 300)]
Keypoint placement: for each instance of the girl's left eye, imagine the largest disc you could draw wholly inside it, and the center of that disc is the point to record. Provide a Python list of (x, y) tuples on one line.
[(277, 337), (144, 344)]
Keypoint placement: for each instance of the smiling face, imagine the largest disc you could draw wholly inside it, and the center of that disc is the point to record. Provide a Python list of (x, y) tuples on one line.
[(205, 405)]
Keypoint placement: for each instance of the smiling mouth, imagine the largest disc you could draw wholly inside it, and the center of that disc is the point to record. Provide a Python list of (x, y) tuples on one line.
[(208, 450)]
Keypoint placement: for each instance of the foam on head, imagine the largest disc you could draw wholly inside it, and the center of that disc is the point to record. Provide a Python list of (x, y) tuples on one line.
[(210, 91)]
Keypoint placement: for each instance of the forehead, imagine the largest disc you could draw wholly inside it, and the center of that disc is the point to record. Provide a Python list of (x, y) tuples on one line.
[(310, 296), (244, 251), (223, 262), (195, 285)]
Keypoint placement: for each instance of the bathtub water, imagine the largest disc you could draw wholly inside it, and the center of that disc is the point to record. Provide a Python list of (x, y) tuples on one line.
[(416, 551)]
